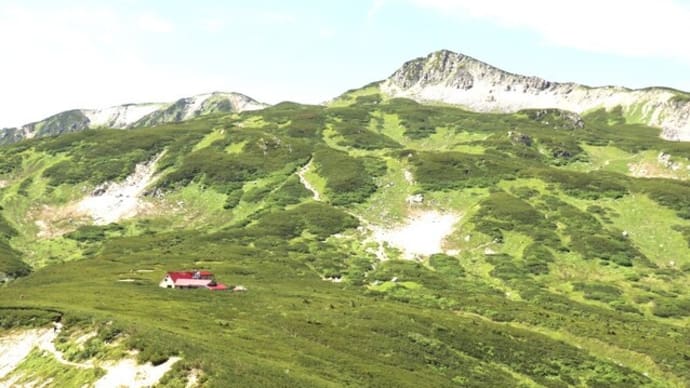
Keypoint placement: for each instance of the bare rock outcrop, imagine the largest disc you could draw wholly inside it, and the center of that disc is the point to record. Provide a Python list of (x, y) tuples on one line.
[(454, 78)]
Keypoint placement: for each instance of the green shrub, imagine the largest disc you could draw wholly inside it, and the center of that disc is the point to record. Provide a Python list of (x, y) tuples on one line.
[(233, 199), (94, 233), (291, 192), (11, 264), (504, 212), (26, 317), (437, 171), (352, 122), (599, 291), (671, 307), (537, 257), (447, 265), (347, 180)]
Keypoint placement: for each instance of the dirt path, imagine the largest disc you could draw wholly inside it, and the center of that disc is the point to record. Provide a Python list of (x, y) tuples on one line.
[(315, 194), (46, 342), (15, 347)]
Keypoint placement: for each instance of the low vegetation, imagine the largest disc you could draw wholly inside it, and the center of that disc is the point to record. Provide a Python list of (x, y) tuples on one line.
[(546, 280)]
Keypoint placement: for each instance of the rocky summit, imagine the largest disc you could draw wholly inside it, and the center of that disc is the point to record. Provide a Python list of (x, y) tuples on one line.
[(454, 78), (128, 116)]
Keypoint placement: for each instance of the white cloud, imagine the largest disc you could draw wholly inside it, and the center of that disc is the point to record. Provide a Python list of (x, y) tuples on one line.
[(644, 28), (154, 23), (54, 60)]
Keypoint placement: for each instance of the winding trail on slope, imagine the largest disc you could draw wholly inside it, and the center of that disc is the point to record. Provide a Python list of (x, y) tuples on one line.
[(16, 347), (315, 194), (126, 372), (46, 342)]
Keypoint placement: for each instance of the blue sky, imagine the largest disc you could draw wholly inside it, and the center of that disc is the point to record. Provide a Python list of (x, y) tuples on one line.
[(58, 55)]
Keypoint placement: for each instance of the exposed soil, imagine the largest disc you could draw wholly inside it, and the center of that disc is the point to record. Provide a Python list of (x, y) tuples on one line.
[(423, 233)]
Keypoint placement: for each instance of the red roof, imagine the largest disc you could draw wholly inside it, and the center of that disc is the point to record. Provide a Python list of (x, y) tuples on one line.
[(195, 279)]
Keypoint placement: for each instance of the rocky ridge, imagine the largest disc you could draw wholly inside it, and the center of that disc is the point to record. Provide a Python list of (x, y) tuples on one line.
[(454, 78), (132, 115)]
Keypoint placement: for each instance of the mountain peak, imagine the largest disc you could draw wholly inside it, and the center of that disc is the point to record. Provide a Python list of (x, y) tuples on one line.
[(460, 71), (132, 115), (454, 78)]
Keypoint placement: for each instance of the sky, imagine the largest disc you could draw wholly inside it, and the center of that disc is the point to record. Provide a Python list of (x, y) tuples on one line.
[(59, 55)]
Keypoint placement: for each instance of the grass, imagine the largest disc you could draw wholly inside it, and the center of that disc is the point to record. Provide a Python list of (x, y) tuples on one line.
[(541, 289), (318, 182), (42, 368), (209, 139), (609, 158), (350, 97), (388, 204), (235, 148), (648, 227)]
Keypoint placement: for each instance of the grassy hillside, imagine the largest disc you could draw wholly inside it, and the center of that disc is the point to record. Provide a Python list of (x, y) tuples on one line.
[(568, 265)]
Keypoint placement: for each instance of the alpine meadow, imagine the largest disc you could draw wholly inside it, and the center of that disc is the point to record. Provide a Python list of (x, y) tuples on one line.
[(451, 225)]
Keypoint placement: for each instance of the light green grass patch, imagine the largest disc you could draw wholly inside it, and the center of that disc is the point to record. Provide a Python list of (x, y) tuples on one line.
[(388, 204), (532, 183), (634, 360), (464, 203), (42, 252), (254, 121), (650, 226), (391, 127), (348, 98), (193, 205), (40, 368), (443, 139), (245, 207), (446, 139), (645, 163), (216, 134), (333, 138), (390, 285), (514, 243), (236, 148), (604, 158), (635, 113)]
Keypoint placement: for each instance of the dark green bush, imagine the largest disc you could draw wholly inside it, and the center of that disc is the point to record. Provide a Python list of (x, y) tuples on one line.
[(347, 180), (599, 291), (455, 170), (26, 317), (94, 233), (448, 265), (504, 212), (671, 307)]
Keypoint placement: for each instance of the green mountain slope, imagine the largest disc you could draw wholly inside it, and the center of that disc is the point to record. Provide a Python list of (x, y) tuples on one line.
[(568, 264)]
